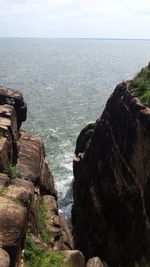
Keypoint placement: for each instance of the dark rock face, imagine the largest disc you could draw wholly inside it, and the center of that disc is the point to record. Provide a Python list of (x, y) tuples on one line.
[(111, 210)]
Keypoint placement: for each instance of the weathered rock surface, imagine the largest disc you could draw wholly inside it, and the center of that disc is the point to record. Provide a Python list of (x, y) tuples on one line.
[(28, 183), (8, 118), (66, 233), (13, 223), (4, 258), (15, 201), (74, 258), (8, 129), (14, 98), (60, 235), (95, 262), (31, 163), (111, 211), (4, 153)]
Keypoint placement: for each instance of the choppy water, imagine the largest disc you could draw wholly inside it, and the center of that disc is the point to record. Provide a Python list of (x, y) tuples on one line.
[(66, 83)]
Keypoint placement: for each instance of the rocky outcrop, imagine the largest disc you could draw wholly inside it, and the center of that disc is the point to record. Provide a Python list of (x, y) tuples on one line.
[(28, 199), (15, 200), (111, 212)]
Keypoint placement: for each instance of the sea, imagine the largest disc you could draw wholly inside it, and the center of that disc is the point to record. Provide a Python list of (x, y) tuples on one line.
[(66, 83)]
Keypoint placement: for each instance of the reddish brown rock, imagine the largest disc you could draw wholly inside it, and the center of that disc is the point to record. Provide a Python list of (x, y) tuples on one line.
[(66, 233), (15, 200), (95, 262), (21, 191), (13, 223), (111, 211), (4, 258), (52, 222), (8, 129), (31, 163), (4, 153), (4, 180), (46, 181), (33, 216), (14, 98), (74, 258), (8, 118), (60, 235), (30, 156)]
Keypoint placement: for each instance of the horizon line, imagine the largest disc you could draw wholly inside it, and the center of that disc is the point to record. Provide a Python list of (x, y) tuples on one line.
[(96, 38)]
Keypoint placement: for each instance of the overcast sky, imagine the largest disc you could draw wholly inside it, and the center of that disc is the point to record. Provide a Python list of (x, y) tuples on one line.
[(75, 18)]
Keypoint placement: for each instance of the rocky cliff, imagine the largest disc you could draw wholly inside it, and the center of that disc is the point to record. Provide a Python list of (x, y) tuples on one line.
[(28, 199), (111, 189), (32, 231)]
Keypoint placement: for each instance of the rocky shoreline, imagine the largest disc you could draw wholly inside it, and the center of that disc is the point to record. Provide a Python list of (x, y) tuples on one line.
[(25, 182), (110, 214), (31, 227)]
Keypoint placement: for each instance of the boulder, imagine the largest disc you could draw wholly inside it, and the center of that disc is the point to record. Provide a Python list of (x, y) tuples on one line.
[(8, 118), (20, 191), (15, 200), (4, 258), (74, 258), (30, 157), (95, 262), (32, 165), (15, 99), (8, 129), (13, 223)]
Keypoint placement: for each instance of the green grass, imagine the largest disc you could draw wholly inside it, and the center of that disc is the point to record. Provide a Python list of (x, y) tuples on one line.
[(36, 257), (12, 172), (45, 235), (53, 259), (32, 252), (140, 86)]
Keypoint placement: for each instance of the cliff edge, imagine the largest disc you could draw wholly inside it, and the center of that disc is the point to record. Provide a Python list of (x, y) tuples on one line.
[(111, 189)]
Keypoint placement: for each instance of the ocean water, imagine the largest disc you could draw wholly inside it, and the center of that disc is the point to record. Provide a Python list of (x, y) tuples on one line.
[(66, 83)]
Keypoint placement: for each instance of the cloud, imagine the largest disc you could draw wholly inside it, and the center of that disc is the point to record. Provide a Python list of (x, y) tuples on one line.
[(75, 18)]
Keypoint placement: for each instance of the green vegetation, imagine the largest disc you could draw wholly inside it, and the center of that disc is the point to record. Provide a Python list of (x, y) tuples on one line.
[(1, 134), (3, 190), (36, 257), (12, 172), (53, 259), (140, 86), (45, 235)]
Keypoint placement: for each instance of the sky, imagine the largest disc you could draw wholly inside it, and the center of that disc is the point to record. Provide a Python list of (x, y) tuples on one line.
[(75, 18)]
